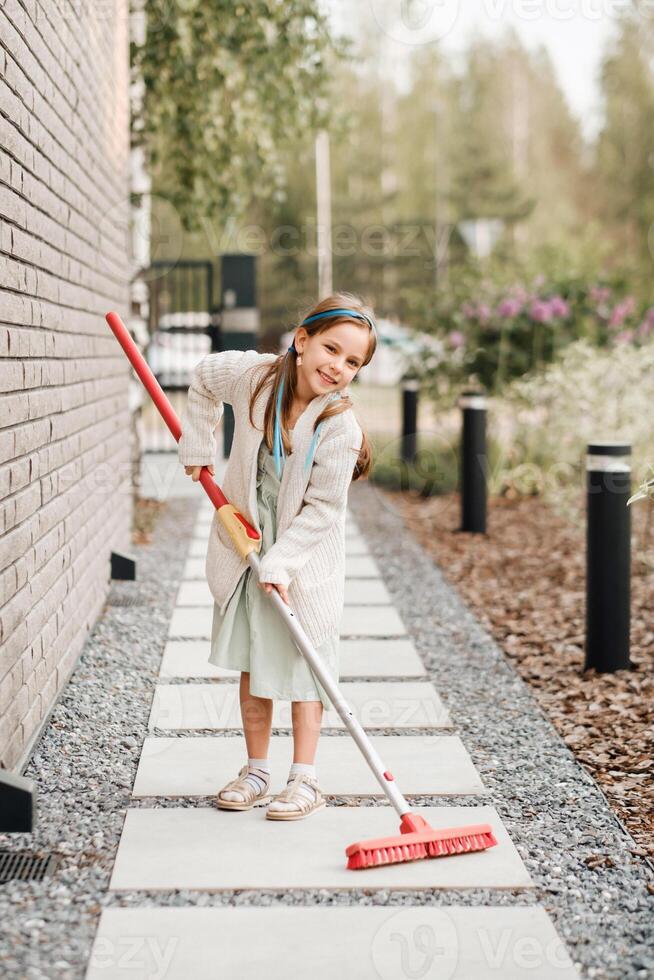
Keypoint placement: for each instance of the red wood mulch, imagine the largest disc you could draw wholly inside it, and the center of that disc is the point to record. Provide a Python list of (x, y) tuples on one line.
[(525, 581)]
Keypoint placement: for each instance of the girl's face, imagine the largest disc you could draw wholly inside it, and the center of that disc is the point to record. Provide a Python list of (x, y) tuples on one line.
[(336, 353)]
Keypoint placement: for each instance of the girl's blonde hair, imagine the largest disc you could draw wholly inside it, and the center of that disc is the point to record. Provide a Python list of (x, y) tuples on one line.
[(285, 368)]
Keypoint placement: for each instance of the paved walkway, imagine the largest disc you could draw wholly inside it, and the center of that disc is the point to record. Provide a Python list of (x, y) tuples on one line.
[(195, 745), (153, 881)]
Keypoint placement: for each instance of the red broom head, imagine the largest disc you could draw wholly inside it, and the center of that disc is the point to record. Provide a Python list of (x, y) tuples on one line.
[(418, 840)]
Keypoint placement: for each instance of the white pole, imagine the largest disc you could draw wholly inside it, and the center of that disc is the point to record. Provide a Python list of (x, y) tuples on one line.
[(324, 208)]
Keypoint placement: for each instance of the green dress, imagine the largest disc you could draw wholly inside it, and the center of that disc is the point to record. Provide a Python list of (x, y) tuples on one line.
[(251, 635)]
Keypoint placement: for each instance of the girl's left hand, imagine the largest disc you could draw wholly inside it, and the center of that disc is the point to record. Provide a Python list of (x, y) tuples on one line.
[(268, 586)]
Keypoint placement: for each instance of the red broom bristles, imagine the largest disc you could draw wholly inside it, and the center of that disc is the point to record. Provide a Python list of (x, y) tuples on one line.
[(423, 843)]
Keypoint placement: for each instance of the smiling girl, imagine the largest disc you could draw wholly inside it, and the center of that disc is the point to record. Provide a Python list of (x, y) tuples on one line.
[(293, 413)]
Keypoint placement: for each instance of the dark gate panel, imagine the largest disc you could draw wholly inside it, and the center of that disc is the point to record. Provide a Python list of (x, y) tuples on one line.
[(181, 296), (183, 327)]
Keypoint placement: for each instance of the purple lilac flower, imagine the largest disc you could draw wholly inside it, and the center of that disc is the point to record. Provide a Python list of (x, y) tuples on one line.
[(559, 307), (540, 311), (599, 294), (621, 311), (624, 337), (456, 338), (483, 312), (519, 293), (509, 307), (646, 327)]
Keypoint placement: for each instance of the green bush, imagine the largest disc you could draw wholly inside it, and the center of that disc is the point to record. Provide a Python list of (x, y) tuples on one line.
[(434, 470)]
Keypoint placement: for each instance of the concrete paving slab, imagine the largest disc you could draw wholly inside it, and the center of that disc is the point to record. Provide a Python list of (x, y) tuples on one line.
[(358, 658), (189, 658), (366, 592), (360, 591), (379, 658), (194, 594), (361, 943), (360, 566), (198, 547), (423, 765), (195, 622), (355, 544), (208, 849), (192, 622), (376, 704), (372, 621), (194, 570)]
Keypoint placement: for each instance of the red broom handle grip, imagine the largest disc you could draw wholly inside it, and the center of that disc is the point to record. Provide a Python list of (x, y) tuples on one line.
[(165, 409)]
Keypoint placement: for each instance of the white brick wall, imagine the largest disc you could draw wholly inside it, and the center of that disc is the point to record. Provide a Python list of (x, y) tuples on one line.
[(65, 491)]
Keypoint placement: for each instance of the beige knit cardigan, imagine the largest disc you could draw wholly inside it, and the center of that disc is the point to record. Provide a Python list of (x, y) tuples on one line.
[(308, 556)]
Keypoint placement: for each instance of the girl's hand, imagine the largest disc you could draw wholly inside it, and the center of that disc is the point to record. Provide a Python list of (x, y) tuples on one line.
[(268, 586), (194, 471)]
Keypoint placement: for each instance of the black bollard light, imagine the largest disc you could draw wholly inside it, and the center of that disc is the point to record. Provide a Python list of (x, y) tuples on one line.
[(608, 556), (474, 463), (410, 389)]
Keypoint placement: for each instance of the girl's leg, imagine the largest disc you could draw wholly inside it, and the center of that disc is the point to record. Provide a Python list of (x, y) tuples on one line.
[(257, 719), (305, 797), (307, 719)]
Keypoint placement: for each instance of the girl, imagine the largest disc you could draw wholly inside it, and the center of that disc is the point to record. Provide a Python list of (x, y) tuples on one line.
[(294, 405)]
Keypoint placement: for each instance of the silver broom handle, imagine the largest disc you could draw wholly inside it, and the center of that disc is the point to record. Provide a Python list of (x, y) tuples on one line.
[(303, 644)]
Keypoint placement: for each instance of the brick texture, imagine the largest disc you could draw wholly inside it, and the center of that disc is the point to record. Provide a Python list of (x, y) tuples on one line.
[(65, 424)]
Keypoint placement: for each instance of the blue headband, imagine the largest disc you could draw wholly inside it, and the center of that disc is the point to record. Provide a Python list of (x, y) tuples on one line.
[(278, 446), (355, 313), (335, 312)]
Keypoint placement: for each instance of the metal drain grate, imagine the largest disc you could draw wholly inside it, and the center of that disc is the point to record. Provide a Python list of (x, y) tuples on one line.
[(25, 866), (125, 600)]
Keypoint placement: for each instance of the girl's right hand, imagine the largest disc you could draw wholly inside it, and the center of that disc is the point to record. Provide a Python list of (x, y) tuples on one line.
[(194, 471), (269, 586)]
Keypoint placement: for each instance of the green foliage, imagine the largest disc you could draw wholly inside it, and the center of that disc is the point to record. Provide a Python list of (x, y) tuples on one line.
[(434, 470), (491, 135), (495, 326), (624, 165), (544, 422), (226, 87)]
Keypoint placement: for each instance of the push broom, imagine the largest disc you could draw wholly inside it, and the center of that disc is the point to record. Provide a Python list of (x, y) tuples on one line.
[(416, 839)]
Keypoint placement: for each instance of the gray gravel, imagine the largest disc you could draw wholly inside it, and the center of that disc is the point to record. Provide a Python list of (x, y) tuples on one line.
[(86, 762)]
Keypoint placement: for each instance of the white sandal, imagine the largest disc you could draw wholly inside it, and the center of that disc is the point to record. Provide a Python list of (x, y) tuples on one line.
[(246, 789), (291, 795)]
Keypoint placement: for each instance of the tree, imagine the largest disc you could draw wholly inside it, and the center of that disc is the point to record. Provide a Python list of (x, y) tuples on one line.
[(625, 150), (227, 86)]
